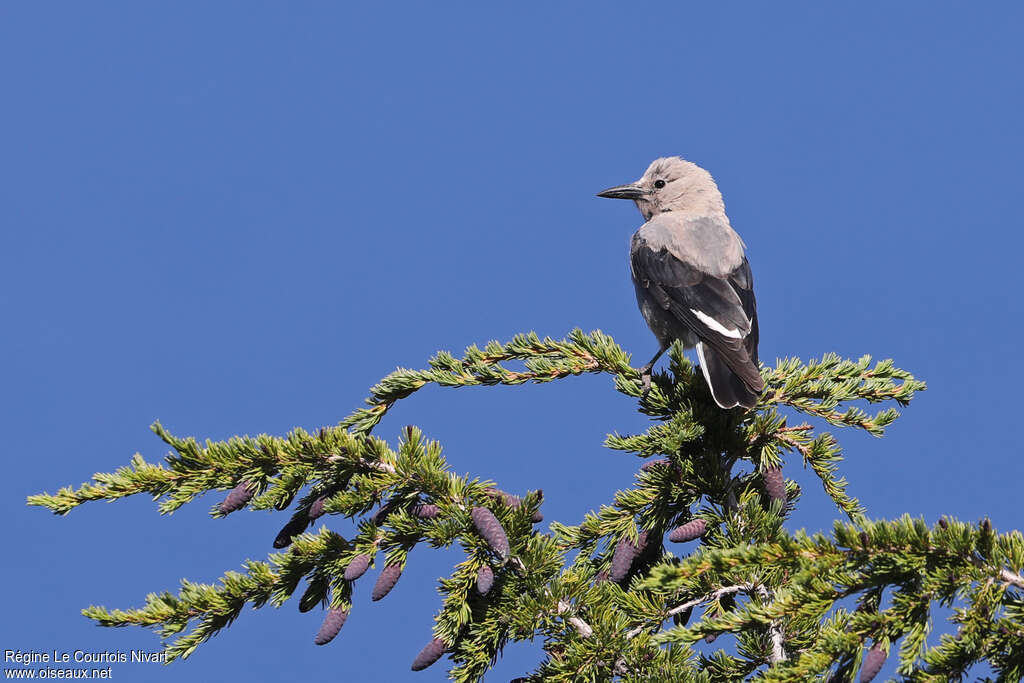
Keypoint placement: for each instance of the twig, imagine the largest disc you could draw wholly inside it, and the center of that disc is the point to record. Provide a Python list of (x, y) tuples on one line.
[(582, 627), (1009, 577), (778, 650), (693, 603)]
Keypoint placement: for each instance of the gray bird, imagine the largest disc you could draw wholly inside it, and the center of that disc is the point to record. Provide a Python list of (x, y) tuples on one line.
[(692, 280)]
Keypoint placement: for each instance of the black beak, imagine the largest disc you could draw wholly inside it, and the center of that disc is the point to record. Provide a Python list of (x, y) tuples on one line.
[(630, 191)]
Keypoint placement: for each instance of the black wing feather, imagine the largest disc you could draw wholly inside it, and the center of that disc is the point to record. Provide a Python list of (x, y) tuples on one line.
[(680, 288)]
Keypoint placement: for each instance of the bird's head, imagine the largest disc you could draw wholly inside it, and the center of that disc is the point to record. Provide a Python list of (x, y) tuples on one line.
[(671, 184)]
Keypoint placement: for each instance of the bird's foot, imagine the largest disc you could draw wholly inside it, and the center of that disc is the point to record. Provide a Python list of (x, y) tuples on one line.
[(645, 382)]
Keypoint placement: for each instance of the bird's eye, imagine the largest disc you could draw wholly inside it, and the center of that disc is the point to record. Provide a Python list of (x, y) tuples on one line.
[(659, 183)]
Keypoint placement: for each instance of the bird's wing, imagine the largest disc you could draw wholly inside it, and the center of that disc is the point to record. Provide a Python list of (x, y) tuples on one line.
[(721, 310)]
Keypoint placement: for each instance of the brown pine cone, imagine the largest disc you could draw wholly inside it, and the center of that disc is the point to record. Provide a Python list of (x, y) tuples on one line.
[(774, 484), (239, 496), (429, 654), (386, 580), (484, 580), (491, 530), (357, 567), (333, 622), (692, 530), (873, 662)]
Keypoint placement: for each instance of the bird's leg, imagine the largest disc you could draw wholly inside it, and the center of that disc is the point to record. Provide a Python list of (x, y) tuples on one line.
[(645, 371)]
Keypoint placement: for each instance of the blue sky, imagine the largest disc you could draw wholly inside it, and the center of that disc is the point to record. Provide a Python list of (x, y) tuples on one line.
[(236, 217)]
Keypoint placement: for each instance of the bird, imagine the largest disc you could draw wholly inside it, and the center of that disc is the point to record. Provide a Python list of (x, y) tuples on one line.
[(692, 279)]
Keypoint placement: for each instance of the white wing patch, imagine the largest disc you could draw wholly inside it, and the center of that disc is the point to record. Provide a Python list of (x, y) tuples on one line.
[(715, 325)]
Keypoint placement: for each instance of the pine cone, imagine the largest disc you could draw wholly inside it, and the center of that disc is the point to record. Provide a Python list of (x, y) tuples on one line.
[(239, 496), (687, 532), (710, 638), (625, 552), (333, 622), (357, 567), (382, 513), (424, 511), (484, 580), (682, 618), (386, 580), (507, 499), (873, 662), (943, 523), (774, 484), (537, 517), (430, 654), (651, 464), (491, 531), (292, 529), (317, 508)]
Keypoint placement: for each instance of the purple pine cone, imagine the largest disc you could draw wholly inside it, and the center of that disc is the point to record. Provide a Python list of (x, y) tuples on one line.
[(537, 517), (430, 654), (650, 464), (484, 580), (333, 622), (424, 511), (774, 484), (710, 638), (316, 510), (386, 580), (873, 662), (239, 496), (943, 523), (381, 514), (491, 531), (687, 532), (292, 529), (357, 567), (625, 552), (506, 498), (682, 618)]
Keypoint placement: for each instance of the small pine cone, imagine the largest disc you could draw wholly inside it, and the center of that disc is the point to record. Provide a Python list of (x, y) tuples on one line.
[(873, 662), (865, 540), (239, 496), (316, 510), (333, 622), (537, 517), (986, 526), (710, 638), (381, 514), (943, 523), (507, 499), (292, 529), (430, 654), (682, 618), (651, 464), (424, 511), (357, 567), (774, 484), (625, 552), (484, 580), (491, 531), (386, 580), (693, 529)]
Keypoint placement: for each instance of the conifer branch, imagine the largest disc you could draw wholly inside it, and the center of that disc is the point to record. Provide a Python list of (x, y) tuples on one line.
[(599, 592)]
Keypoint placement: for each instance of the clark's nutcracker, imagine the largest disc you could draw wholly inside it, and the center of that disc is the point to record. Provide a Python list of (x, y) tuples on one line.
[(692, 281)]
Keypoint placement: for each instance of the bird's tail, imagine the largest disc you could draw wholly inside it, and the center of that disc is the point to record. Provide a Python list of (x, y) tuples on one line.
[(727, 388)]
